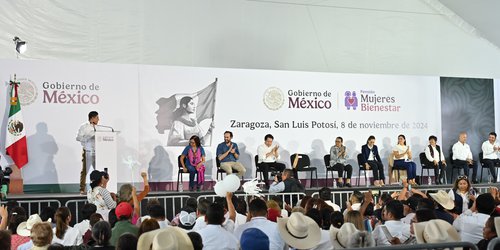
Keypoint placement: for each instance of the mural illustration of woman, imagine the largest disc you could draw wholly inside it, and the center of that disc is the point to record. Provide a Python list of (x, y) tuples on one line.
[(185, 125)]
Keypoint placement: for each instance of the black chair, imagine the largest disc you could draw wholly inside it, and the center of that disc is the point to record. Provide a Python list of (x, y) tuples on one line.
[(221, 171), (257, 167), (181, 171), (304, 165), (455, 167), (258, 170), (360, 158), (425, 164), (481, 161), (329, 169)]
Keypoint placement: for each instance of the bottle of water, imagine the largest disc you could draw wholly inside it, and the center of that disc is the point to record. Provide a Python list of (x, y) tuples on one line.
[(334, 183), (429, 180), (181, 188)]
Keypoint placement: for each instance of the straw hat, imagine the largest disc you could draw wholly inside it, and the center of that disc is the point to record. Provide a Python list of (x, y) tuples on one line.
[(443, 199), (497, 224), (435, 231), (299, 231), (171, 238), (24, 229), (340, 236)]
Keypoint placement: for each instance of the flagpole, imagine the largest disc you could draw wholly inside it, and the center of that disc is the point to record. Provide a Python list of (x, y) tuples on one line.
[(213, 116)]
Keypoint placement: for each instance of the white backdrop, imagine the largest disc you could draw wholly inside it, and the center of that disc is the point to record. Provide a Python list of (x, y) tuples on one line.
[(54, 154), (127, 101), (240, 97)]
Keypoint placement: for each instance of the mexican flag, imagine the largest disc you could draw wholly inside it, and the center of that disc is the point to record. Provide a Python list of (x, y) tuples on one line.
[(15, 138)]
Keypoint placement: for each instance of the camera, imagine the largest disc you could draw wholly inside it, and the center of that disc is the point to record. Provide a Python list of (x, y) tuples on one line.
[(4, 175), (4, 181), (278, 176)]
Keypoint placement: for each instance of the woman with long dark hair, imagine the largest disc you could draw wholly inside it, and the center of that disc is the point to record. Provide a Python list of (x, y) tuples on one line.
[(99, 195), (185, 124), (64, 234), (101, 234), (193, 160), (371, 160), (462, 194), (402, 159)]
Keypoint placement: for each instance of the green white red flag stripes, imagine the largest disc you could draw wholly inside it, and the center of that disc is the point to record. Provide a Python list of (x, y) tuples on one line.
[(15, 139)]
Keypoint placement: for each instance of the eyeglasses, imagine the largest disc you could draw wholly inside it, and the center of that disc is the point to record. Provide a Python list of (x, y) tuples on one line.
[(462, 177)]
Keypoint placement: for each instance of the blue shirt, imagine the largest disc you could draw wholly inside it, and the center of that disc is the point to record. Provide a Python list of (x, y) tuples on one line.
[(186, 151), (223, 148)]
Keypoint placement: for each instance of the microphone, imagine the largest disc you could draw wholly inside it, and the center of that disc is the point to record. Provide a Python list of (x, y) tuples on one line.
[(112, 129)]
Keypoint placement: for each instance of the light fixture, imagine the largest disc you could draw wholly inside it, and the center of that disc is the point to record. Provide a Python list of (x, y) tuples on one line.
[(20, 45)]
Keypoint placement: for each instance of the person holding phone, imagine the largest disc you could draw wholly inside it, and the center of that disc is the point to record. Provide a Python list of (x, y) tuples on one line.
[(86, 136)]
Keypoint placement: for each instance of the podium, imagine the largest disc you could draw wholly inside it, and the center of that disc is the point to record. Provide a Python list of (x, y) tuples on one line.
[(106, 156)]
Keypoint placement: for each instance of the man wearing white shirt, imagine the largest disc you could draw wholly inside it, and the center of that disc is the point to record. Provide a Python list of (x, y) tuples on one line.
[(157, 212), (470, 223), (84, 225), (86, 136), (267, 157), (326, 195), (354, 202), (201, 222), (258, 219), (462, 156), (490, 154), (201, 211), (214, 236), (392, 214), (434, 155)]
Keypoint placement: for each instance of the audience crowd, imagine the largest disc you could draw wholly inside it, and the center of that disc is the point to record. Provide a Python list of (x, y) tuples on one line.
[(366, 220)]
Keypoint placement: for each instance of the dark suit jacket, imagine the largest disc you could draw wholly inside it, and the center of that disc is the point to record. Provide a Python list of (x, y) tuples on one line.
[(366, 153)]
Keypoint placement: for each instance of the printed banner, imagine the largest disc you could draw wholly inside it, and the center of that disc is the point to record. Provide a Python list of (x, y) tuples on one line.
[(157, 108), (304, 111)]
